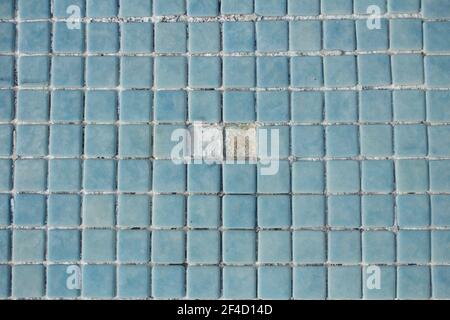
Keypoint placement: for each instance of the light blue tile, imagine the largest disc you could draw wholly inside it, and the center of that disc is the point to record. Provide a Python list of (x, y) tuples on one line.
[(413, 246), (274, 246), (440, 282), (274, 211), (272, 72), (372, 39), (66, 106), (205, 72), (170, 72), (396, 6), (203, 211), (137, 37), (342, 140), (344, 282), (133, 210), (340, 71), (168, 246), (409, 105), (272, 36), (136, 106), (29, 175), (134, 176), (204, 178), (168, 211), (28, 245), (7, 37), (169, 7), (406, 34), (411, 175), (308, 211), (439, 176), (64, 175), (307, 107), (239, 282), (374, 70), (64, 245), (28, 281), (337, 6), (135, 140), (386, 289), (136, 72), (168, 177), (238, 106), (203, 282), (99, 175), (60, 8), (99, 281), (237, 6), (305, 35), (344, 247), (6, 140), (436, 8), (435, 76), (437, 106), (33, 71), (7, 70), (168, 282), (170, 106), (270, 7), (5, 179), (407, 69), (239, 211), (102, 8), (133, 246), (377, 176), (102, 72), (32, 140), (306, 72), (377, 210), (64, 210), (5, 208), (100, 140), (34, 37), (238, 36), (134, 281), (239, 72), (277, 183), (7, 9), (362, 6), (339, 34), (103, 37), (205, 106), (440, 240), (99, 245), (204, 37), (341, 106), (310, 283), (308, 176), (344, 211), (413, 282), (5, 245), (376, 140), (32, 105), (99, 210), (164, 145), (437, 137), (304, 7), (65, 140), (202, 8), (413, 210), (6, 102), (272, 106), (274, 282), (57, 282), (101, 106), (440, 216), (239, 247), (309, 247), (203, 246), (135, 8), (378, 247), (170, 37)]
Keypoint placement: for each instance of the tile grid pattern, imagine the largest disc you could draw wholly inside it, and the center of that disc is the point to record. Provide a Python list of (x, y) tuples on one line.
[(290, 158)]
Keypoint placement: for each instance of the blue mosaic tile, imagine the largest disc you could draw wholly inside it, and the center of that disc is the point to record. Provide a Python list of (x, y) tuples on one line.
[(360, 171)]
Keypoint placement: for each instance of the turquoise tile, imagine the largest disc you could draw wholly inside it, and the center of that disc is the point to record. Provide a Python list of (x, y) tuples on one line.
[(5, 244), (66, 106), (6, 140), (100, 140), (377, 176), (136, 106), (7, 9), (372, 39), (29, 175), (406, 34), (203, 282), (64, 210), (6, 179), (436, 8), (307, 107), (65, 140), (274, 282), (103, 37), (28, 246), (170, 37), (32, 105), (64, 175), (239, 106), (440, 240), (134, 176), (409, 105), (437, 135), (340, 71), (7, 37), (306, 72), (33, 71), (34, 37), (277, 183), (135, 140), (99, 175), (101, 8), (440, 282), (435, 76), (378, 247), (272, 106), (6, 101), (376, 140), (437, 110), (57, 282), (136, 72), (439, 176), (101, 106), (310, 283), (308, 176), (170, 72), (411, 175), (239, 72), (168, 177), (5, 210), (272, 72), (98, 67), (239, 282), (337, 6), (342, 140), (204, 178), (7, 73), (407, 69), (344, 283), (396, 6), (205, 106), (169, 7), (338, 34), (205, 72), (362, 6), (439, 213), (32, 140), (374, 70), (344, 247), (60, 8), (341, 106), (164, 145), (387, 288)]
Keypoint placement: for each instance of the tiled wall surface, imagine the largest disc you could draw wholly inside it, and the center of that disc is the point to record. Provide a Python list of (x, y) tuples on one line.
[(87, 185)]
